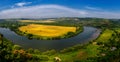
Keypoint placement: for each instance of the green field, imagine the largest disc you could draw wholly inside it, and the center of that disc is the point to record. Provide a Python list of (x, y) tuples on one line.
[(105, 36)]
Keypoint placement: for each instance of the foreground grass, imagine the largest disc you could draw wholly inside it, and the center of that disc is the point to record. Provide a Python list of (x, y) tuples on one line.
[(46, 30), (89, 50)]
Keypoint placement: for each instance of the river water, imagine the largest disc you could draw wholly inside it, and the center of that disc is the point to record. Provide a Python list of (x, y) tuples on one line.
[(88, 34)]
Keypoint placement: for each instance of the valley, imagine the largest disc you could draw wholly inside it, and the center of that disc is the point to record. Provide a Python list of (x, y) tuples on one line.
[(95, 41)]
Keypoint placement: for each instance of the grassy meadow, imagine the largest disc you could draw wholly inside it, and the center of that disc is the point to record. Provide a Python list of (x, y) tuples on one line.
[(106, 35), (46, 30)]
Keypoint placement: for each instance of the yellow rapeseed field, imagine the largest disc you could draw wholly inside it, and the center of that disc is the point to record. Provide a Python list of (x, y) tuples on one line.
[(46, 30)]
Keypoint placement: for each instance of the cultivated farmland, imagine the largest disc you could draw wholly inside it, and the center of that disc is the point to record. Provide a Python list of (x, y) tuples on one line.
[(38, 21), (46, 30)]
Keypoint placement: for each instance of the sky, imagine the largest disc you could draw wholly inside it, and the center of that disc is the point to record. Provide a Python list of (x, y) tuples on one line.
[(59, 8)]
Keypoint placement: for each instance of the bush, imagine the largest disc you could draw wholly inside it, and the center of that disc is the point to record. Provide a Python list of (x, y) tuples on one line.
[(16, 47), (43, 58), (50, 52)]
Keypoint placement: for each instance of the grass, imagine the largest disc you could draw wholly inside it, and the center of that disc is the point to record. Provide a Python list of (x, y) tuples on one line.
[(46, 30), (118, 30), (90, 50), (38, 21), (105, 36), (82, 54), (66, 57)]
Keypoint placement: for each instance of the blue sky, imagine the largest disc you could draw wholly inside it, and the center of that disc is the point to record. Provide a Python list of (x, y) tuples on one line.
[(59, 8)]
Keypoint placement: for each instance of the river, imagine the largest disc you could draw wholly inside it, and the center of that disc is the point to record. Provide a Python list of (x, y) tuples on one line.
[(88, 34)]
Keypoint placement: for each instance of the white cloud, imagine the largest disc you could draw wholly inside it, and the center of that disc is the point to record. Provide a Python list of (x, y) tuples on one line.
[(48, 11), (21, 4), (41, 12), (92, 8)]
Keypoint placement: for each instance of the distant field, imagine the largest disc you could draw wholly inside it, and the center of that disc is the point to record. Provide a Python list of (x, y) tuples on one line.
[(38, 21), (46, 30), (105, 36)]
